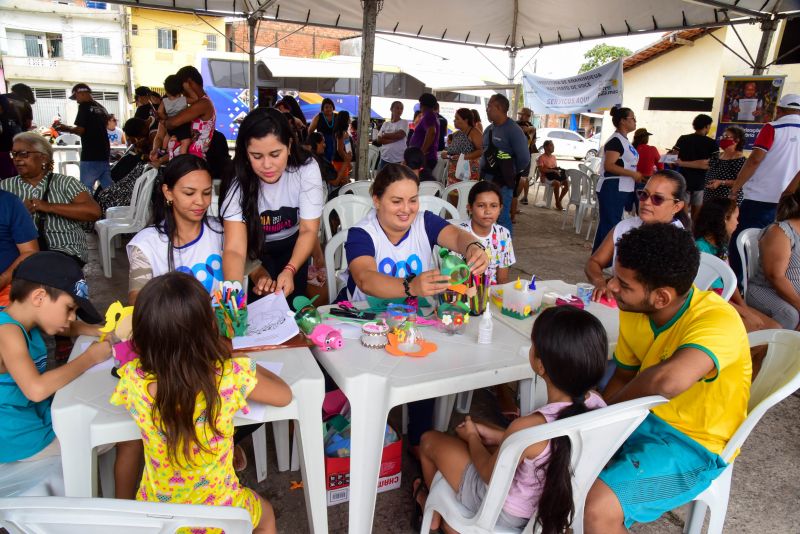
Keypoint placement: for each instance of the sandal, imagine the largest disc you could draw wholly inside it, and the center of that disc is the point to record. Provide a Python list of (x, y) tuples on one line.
[(416, 519)]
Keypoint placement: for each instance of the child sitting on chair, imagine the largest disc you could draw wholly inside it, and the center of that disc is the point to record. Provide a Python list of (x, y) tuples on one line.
[(569, 353), (47, 291), (183, 392)]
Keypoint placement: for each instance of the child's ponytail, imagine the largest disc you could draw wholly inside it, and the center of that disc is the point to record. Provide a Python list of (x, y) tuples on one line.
[(572, 346)]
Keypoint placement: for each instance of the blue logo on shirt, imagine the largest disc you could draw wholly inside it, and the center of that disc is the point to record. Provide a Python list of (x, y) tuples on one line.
[(401, 269), (205, 273)]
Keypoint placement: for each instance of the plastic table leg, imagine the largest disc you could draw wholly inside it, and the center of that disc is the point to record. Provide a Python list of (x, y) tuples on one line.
[(312, 452)]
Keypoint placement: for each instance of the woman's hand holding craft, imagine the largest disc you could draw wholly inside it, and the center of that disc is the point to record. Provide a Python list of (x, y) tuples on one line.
[(429, 283), (477, 259), (262, 281)]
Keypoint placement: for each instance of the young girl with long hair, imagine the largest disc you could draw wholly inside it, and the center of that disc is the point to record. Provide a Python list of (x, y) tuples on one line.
[(271, 208), (183, 392), (569, 353), (712, 230), (343, 154)]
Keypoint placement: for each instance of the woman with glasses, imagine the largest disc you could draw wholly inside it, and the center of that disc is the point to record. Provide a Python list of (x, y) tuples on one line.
[(616, 184), (59, 204), (722, 171), (661, 201)]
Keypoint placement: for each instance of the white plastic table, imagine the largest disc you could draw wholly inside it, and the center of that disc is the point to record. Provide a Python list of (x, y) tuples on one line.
[(84, 419), (375, 381), (609, 317)]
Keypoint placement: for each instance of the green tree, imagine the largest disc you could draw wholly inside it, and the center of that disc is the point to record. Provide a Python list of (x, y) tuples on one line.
[(602, 54)]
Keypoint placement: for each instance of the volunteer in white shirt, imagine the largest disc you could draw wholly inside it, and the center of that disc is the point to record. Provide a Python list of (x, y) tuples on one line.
[(615, 187), (768, 171), (272, 207), (183, 238), (392, 137), (389, 256)]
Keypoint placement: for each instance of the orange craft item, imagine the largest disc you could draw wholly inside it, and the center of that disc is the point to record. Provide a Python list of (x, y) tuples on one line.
[(393, 348)]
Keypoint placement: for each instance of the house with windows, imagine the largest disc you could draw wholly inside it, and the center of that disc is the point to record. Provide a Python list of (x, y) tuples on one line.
[(50, 46), (669, 82), (162, 42)]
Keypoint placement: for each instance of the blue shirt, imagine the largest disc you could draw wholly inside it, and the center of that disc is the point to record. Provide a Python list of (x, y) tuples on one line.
[(16, 227), (25, 426)]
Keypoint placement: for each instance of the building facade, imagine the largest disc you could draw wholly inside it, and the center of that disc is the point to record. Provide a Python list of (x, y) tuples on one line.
[(293, 40), (51, 46)]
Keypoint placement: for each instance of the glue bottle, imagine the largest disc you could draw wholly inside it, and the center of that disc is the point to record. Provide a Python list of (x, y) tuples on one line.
[(485, 327)]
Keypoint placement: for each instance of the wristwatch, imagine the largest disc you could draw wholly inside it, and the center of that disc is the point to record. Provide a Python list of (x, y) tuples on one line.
[(407, 284)]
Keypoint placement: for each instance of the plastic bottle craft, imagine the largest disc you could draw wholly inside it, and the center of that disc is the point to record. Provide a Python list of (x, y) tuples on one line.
[(310, 322)]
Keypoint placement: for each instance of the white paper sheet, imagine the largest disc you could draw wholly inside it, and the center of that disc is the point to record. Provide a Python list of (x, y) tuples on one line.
[(267, 323), (256, 409), (81, 347), (669, 158)]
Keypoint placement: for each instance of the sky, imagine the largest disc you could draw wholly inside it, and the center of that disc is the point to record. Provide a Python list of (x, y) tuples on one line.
[(557, 61)]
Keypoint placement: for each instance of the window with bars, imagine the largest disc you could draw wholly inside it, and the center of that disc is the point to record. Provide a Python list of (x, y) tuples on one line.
[(33, 46), (42, 92), (96, 46), (167, 39), (135, 29), (211, 41)]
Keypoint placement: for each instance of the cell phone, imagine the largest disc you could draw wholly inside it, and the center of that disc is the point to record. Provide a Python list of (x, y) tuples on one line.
[(347, 147)]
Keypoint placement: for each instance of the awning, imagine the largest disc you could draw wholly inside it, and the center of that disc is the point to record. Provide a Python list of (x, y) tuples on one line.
[(593, 115), (506, 24)]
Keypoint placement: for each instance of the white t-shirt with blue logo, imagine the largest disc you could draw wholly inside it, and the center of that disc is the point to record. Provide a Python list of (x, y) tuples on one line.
[(201, 258), (412, 254)]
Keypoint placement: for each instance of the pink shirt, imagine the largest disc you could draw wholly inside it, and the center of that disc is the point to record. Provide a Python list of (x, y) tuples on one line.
[(526, 488)]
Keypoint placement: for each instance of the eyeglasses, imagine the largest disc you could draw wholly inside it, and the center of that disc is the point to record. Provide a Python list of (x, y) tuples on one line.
[(24, 154), (655, 198)]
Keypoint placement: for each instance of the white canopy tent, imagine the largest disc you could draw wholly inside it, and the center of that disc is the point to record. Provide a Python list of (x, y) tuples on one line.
[(510, 25)]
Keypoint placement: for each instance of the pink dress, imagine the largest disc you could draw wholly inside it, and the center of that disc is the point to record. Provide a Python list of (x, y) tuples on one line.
[(202, 132)]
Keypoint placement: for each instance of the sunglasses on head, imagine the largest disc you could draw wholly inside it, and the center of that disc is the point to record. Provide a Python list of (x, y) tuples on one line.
[(655, 198)]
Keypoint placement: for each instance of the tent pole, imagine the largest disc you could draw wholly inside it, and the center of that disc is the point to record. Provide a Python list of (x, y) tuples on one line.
[(512, 93), (252, 20), (370, 22), (768, 28)]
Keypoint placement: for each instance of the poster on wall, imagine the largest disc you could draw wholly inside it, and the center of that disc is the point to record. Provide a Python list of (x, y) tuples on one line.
[(593, 91), (748, 102)]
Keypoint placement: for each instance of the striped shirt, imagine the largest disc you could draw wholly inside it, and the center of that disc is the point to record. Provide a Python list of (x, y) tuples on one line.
[(64, 235)]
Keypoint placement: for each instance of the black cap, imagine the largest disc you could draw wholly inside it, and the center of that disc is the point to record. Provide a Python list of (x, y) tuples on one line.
[(80, 88), (142, 91), (61, 272)]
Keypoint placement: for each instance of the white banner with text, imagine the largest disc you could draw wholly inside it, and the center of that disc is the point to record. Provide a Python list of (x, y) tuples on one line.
[(593, 91)]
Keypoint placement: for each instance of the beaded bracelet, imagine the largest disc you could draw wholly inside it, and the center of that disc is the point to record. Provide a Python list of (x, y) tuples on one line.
[(291, 268)]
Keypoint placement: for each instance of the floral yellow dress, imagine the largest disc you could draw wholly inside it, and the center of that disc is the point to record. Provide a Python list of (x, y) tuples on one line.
[(207, 478)]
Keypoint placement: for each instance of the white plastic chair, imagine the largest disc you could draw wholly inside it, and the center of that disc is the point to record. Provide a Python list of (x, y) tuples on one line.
[(349, 208), (126, 212), (463, 189), (64, 515), (437, 205), (440, 171), (373, 157), (747, 245), (335, 264), (779, 377), (431, 188), (108, 229), (595, 437), (711, 269), (578, 186), (360, 188), (71, 157), (66, 139)]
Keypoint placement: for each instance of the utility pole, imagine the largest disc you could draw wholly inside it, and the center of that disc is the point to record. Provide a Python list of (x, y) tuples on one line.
[(252, 20), (370, 22)]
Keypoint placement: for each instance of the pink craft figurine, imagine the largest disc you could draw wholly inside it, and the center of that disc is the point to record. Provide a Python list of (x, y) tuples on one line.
[(327, 337)]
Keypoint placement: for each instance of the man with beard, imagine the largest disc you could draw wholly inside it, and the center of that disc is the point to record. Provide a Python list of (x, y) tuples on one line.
[(686, 345)]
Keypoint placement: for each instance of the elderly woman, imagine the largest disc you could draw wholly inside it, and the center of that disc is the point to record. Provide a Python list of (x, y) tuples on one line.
[(390, 256), (57, 203), (775, 288)]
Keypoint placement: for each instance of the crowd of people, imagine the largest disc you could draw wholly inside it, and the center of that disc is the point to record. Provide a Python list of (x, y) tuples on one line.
[(675, 340)]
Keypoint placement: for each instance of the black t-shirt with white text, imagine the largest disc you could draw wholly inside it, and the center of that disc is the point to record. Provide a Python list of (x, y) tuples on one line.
[(92, 117)]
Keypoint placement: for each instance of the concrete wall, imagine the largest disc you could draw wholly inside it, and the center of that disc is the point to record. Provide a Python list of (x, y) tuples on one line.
[(151, 64), (291, 39)]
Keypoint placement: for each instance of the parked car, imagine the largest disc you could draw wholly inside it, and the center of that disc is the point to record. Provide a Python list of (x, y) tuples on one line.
[(568, 143)]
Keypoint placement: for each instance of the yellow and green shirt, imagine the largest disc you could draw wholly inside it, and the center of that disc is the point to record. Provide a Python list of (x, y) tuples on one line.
[(712, 409)]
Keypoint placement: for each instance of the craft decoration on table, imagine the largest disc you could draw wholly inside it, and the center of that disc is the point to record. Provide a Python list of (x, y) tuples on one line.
[(230, 309), (119, 321), (407, 340), (373, 335), (309, 320), (480, 298), (452, 319), (516, 300), (457, 270), (570, 300), (397, 314)]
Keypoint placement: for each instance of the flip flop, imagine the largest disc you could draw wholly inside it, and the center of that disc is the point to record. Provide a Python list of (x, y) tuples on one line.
[(416, 519)]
